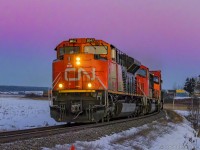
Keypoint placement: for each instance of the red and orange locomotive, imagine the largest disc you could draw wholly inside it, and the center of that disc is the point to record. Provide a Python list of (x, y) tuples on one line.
[(93, 81)]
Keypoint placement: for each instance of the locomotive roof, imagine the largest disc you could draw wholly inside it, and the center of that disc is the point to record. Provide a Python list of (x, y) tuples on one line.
[(81, 40)]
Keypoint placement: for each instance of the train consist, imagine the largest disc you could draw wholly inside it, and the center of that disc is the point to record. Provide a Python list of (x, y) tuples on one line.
[(94, 81)]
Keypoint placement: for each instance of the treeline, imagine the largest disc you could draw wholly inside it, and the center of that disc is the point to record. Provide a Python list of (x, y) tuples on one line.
[(192, 85), (21, 88)]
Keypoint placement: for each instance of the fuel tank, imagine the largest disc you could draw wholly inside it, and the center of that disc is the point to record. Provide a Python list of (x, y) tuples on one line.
[(123, 109)]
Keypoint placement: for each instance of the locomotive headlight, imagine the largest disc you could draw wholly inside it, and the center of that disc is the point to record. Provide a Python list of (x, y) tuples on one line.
[(60, 85), (89, 85), (78, 63), (78, 60)]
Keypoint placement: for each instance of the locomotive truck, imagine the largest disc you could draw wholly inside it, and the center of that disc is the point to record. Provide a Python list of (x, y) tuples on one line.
[(94, 81)]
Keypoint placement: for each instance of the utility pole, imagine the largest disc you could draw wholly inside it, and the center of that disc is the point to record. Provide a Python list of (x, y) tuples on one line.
[(174, 100)]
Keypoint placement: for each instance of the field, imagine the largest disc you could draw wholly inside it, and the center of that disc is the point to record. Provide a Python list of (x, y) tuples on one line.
[(22, 113)]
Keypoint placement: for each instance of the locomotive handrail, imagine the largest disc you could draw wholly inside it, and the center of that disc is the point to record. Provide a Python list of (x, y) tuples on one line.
[(141, 89), (130, 66), (56, 78), (56, 82)]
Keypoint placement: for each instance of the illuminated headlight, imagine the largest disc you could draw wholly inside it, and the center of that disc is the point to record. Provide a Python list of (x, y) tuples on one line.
[(78, 63), (78, 60), (89, 85), (60, 85)]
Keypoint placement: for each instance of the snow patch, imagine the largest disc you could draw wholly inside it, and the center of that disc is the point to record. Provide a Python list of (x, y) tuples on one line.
[(168, 136), (184, 113), (22, 113)]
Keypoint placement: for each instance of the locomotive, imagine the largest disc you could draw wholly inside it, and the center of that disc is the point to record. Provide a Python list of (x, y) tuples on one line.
[(94, 81)]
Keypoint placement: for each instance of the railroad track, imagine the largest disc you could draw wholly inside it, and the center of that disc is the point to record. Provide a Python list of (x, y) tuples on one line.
[(12, 136)]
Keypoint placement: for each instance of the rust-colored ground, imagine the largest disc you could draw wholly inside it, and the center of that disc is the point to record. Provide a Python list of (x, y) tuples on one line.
[(176, 106)]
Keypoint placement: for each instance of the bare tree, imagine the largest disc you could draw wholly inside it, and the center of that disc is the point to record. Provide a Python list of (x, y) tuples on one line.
[(194, 111), (192, 85)]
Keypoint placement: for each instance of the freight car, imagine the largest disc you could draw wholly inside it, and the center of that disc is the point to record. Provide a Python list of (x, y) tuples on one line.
[(94, 81)]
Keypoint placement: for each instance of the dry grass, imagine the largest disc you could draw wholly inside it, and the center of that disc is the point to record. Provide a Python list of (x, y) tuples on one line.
[(174, 117), (164, 122), (151, 132), (125, 138), (146, 136), (176, 106)]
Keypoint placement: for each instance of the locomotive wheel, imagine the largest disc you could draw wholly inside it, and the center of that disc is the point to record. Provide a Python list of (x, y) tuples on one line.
[(102, 120), (107, 118), (139, 111), (145, 110)]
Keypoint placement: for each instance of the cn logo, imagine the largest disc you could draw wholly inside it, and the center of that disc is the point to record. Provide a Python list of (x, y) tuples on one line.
[(80, 71)]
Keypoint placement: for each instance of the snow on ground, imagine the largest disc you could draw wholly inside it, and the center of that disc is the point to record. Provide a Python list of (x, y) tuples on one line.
[(162, 135), (182, 137), (181, 98), (22, 113), (184, 113)]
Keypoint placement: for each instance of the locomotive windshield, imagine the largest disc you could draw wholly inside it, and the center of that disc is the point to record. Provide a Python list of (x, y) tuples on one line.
[(156, 80), (69, 50), (96, 49), (142, 72)]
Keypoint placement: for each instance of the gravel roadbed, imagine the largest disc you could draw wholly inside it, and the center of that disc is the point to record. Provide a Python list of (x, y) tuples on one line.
[(83, 135)]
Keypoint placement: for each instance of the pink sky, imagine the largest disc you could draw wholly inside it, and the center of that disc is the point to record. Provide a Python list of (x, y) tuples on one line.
[(162, 34)]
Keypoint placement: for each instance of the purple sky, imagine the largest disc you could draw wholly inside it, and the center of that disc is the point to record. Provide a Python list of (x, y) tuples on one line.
[(162, 34)]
